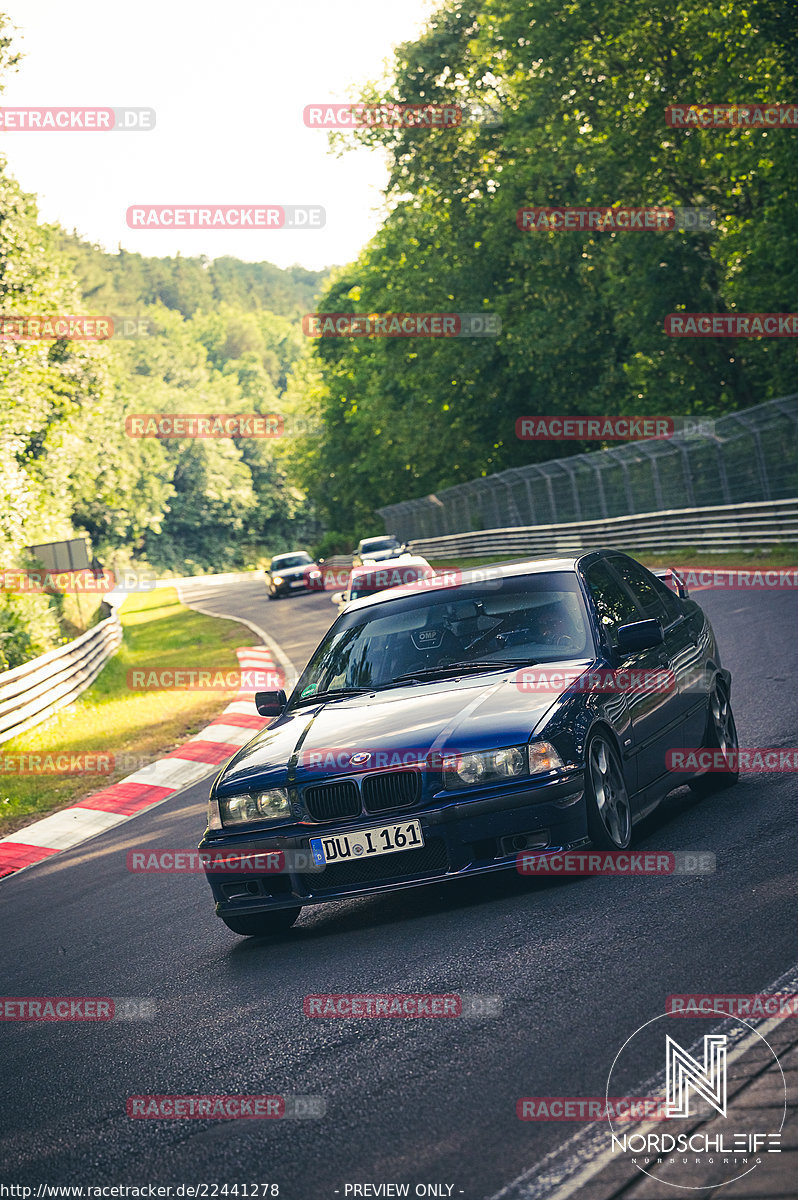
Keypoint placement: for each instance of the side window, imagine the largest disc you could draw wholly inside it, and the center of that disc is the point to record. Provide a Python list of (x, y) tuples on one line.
[(641, 586), (673, 606), (613, 604)]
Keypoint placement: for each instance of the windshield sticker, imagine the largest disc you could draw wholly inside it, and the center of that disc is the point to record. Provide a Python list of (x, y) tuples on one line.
[(427, 639)]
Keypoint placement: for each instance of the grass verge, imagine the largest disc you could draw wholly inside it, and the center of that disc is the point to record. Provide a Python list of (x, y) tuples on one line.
[(159, 634)]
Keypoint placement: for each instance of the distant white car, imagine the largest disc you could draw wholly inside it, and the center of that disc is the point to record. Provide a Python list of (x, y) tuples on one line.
[(368, 578), (377, 549)]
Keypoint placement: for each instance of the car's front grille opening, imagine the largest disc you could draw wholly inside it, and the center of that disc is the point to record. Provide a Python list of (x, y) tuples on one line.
[(241, 889), (432, 857), (392, 789), (327, 801), (536, 839)]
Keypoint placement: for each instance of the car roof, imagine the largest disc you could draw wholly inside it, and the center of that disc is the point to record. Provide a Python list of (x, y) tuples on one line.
[(480, 574), (392, 564), (288, 554)]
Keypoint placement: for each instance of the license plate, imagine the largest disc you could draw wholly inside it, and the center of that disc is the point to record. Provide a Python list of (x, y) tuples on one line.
[(298, 583), (366, 843)]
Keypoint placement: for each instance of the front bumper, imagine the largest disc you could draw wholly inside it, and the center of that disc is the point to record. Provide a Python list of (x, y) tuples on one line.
[(286, 588), (462, 837)]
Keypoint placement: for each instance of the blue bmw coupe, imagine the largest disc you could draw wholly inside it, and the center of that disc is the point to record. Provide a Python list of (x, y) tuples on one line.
[(444, 727)]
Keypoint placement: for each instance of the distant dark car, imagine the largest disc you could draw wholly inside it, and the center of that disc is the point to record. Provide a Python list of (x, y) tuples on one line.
[(377, 549), (440, 730), (294, 572)]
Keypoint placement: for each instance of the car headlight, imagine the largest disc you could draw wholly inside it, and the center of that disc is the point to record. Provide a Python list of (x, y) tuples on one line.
[(492, 766), (270, 805), (278, 579)]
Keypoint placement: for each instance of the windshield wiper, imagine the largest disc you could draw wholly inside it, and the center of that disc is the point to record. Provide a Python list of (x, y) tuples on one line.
[(333, 694), (496, 664)]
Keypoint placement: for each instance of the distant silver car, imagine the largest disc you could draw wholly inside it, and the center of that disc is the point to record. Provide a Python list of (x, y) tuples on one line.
[(377, 549)]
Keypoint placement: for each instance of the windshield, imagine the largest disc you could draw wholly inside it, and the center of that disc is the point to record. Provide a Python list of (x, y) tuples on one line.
[(290, 560), (386, 543), (531, 618)]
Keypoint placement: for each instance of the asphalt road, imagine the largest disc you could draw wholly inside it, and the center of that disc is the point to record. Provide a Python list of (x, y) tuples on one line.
[(579, 965)]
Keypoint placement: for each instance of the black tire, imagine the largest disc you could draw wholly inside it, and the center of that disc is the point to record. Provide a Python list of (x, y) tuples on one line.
[(609, 813), (720, 734), (268, 924)]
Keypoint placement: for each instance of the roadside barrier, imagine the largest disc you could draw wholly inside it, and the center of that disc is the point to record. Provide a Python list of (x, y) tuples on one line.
[(32, 692)]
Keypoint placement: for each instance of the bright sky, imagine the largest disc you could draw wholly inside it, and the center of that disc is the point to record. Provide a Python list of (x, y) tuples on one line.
[(229, 81)]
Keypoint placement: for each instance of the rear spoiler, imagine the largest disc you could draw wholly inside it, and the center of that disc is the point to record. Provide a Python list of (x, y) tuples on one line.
[(673, 580)]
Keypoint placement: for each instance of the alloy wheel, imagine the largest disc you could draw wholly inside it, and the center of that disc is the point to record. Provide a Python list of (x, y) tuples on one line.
[(609, 789)]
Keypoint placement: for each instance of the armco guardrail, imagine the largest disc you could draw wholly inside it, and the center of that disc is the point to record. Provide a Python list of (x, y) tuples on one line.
[(722, 527), (30, 693)]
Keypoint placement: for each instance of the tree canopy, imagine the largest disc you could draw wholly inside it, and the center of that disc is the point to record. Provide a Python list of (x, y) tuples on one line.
[(580, 91)]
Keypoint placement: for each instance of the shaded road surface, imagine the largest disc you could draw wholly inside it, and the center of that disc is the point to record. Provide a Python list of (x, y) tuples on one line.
[(579, 964)]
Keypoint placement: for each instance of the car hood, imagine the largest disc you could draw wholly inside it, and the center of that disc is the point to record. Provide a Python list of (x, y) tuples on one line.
[(397, 726)]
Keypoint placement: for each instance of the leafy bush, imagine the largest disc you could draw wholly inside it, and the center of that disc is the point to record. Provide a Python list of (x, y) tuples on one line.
[(334, 543), (28, 627)]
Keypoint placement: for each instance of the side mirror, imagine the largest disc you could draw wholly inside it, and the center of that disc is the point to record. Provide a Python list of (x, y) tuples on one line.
[(639, 635), (270, 704), (320, 562), (337, 598)]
